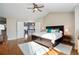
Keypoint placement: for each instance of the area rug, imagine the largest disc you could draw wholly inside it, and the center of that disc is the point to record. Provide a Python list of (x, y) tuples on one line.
[(66, 49), (32, 48)]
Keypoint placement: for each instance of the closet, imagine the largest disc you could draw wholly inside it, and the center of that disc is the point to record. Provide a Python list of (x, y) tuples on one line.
[(25, 29), (29, 28)]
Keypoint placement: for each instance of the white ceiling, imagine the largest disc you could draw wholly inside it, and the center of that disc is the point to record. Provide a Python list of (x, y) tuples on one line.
[(61, 7), (20, 9)]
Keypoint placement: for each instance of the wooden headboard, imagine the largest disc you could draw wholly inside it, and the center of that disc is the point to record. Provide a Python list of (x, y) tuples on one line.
[(60, 27)]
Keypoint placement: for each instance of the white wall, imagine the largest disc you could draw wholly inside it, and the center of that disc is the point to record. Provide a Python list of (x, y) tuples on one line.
[(61, 18), (76, 25), (11, 28), (66, 19)]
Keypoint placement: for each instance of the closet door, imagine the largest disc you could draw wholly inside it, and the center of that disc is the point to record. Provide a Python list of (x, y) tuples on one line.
[(20, 29), (37, 27)]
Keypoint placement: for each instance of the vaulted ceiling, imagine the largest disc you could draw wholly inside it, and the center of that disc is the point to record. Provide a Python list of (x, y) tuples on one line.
[(20, 9)]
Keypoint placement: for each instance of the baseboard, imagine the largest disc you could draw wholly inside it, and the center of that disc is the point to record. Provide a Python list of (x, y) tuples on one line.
[(11, 38), (14, 38)]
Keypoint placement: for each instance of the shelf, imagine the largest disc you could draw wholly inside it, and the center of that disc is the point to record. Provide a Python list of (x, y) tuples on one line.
[(30, 27)]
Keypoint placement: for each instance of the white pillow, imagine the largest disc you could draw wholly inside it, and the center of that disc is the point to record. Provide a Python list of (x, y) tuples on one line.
[(53, 30), (61, 32)]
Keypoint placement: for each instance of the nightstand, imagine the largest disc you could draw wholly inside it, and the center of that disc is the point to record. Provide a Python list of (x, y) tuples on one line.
[(67, 39)]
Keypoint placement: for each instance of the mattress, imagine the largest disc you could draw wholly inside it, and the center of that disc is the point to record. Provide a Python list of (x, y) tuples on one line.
[(51, 36)]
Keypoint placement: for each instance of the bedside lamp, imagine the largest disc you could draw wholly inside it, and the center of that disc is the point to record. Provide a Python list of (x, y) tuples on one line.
[(36, 9), (67, 32)]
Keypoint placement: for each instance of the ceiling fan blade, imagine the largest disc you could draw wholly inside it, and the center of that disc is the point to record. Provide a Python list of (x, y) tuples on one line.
[(40, 6), (29, 8), (39, 10), (36, 7), (33, 10), (34, 4)]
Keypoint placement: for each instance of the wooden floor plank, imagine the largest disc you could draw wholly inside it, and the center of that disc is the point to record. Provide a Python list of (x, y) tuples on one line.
[(10, 47)]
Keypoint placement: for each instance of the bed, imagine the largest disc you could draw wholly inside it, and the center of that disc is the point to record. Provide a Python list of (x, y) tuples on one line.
[(49, 39)]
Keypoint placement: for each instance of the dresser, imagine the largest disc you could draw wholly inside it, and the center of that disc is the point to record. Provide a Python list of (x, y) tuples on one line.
[(67, 38)]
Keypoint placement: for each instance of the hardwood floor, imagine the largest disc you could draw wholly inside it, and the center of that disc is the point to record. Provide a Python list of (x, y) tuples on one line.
[(11, 48)]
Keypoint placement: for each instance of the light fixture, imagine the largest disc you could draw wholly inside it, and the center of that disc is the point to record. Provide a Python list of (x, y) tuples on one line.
[(36, 9), (66, 30)]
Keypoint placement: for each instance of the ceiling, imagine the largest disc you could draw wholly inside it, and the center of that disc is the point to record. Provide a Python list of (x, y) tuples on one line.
[(20, 9)]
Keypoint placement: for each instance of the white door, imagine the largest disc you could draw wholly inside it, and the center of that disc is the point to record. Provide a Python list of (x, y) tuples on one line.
[(37, 27), (20, 29)]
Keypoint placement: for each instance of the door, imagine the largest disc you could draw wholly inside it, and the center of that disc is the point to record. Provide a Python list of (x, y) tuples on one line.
[(37, 27), (20, 29)]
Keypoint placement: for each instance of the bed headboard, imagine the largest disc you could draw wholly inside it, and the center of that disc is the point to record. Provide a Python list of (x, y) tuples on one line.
[(60, 27)]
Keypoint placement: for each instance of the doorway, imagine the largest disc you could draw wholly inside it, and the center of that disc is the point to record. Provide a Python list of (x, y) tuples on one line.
[(3, 35)]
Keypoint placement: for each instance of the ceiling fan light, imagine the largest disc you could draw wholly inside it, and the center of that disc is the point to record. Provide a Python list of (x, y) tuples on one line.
[(36, 9)]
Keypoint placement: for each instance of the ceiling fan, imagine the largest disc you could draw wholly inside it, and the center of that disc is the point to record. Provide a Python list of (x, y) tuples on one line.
[(36, 7)]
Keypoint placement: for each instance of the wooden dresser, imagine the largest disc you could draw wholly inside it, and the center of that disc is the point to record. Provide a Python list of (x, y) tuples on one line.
[(67, 40)]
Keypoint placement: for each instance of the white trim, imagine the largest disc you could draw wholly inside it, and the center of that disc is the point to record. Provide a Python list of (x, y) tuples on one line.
[(11, 38), (14, 38)]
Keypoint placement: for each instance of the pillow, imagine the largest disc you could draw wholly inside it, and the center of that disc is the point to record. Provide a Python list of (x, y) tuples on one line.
[(61, 32), (49, 30), (55, 30)]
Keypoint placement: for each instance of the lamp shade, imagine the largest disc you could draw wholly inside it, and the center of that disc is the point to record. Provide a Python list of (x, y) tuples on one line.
[(66, 29)]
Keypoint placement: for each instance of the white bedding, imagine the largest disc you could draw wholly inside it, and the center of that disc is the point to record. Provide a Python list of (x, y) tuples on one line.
[(51, 36)]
